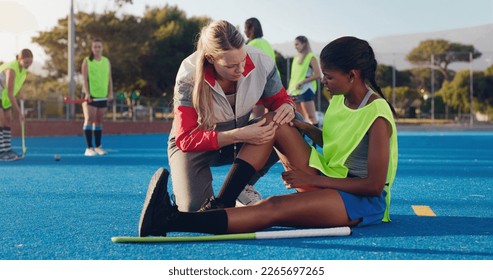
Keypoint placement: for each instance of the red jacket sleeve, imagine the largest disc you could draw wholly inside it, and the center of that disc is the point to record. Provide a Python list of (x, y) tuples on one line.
[(275, 101), (188, 138)]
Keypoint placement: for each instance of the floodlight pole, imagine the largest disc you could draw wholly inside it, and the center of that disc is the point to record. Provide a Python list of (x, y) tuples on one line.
[(432, 88), (393, 80), (71, 51), (471, 91)]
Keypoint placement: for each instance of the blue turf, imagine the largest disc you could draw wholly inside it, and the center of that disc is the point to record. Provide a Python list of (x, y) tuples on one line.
[(70, 209)]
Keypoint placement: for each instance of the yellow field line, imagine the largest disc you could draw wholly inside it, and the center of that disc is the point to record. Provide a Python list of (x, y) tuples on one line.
[(423, 210)]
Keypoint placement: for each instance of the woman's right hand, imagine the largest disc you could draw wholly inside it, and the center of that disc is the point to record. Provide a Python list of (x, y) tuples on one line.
[(257, 133)]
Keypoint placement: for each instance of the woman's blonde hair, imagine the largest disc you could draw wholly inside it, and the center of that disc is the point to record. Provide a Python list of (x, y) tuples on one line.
[(215, 38)]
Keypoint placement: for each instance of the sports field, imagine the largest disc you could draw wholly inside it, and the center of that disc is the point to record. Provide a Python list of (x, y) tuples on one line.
[(442, 204)]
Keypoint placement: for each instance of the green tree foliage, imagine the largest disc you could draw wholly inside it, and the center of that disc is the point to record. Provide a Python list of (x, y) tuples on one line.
[(489, 71), (456, 93), (404, 97), (171, 39), (421, 79), (145, 52), (483, 92), (444, 53), (384, 76)]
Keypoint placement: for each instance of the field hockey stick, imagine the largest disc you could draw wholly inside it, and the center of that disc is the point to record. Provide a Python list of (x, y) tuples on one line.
[(281, 234), (74, 101), (23, 137), (81, 100)]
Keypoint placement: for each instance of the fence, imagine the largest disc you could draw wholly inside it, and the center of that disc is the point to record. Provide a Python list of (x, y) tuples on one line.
[(427, 80), (56, 108), (422, 104)]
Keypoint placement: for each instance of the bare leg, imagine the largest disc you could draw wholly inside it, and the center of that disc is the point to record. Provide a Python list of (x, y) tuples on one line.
[(292, 149), (310, 111), (91, 115), (289, 144), (98, 132), (302, 111), (85, 112), (257, 155), (320, 208), (100, 112)]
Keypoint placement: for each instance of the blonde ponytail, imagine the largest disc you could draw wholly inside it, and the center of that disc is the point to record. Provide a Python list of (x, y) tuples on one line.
[(216, 38)]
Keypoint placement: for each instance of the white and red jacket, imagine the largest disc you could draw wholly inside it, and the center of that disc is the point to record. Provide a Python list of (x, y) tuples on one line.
[(259, 82)]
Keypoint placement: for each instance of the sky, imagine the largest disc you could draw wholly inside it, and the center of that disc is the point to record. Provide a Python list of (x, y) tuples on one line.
[(282, 20)]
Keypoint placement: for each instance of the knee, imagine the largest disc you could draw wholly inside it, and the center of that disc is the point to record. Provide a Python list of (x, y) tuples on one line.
[(271, 204), (90, 119), (268, 116), (7, 121), (189, 204)]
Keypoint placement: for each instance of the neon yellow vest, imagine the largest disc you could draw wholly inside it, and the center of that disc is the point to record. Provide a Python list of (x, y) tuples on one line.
[(344, 129), (263, 45), (298, 73), (98, 73), (20, 78)]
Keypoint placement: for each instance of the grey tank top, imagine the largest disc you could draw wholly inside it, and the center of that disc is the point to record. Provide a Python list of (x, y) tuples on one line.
[(357, 162)]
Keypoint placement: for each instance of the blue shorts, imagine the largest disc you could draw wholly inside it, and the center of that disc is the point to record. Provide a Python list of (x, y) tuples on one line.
[(308, 95), (370, 209)]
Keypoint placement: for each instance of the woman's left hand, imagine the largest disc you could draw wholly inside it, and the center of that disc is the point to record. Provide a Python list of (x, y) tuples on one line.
[(296, 178), (284, 114)]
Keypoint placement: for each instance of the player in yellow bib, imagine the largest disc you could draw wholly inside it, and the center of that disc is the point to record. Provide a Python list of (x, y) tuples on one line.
[(347, 184), (303, 83), (255, 34), (98, 89), (12, 77)]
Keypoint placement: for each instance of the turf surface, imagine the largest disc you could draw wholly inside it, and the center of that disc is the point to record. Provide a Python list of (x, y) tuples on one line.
[(70, 209)]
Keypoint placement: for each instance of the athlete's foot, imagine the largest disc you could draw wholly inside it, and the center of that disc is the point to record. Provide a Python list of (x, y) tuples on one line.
[(99, 150), (90, 152), (9, 156), (157, 211)]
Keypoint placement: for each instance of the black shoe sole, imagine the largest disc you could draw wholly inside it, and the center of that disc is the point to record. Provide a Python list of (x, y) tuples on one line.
[(156, 193)]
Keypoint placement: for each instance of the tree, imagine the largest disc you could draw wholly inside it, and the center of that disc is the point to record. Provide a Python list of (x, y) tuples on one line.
[(444, 54), (483, 92), (457, 92), (384, 78), (145, 53), (405, 97), (171, 39)]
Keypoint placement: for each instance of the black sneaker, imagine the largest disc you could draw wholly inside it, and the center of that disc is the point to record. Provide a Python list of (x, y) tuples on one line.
[(9, 156), (157, 210)]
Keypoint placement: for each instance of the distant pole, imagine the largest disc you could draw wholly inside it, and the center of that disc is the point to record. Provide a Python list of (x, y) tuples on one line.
[(288, 72), (432, 88), (393, 80), (71, 51), (471, 90)]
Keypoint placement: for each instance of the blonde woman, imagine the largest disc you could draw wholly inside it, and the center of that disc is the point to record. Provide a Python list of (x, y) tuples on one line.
[(216, 88), (12, 77), (305, 71)]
